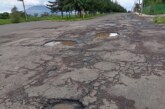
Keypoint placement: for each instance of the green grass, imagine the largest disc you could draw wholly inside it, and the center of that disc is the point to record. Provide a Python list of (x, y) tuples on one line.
[(52, 18), (159, 20), (65, 18), (5, 21)]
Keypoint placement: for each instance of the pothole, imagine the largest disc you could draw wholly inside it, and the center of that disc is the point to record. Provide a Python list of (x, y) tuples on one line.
[(107, 35), (52, 44), (60, 42), (63, 104)]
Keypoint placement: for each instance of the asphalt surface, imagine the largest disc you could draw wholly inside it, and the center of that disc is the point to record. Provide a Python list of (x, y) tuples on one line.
[(80, 65)]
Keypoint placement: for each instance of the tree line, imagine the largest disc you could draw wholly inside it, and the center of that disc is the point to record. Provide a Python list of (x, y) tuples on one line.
[(83, 7)]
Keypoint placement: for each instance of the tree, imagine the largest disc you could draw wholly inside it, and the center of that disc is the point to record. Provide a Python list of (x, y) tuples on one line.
[(56, 6), (85, 6), (4, 15), (15, 15), (136, 7)]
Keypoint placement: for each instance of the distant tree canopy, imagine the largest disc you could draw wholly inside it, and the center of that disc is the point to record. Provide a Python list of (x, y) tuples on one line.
[(85, 6)]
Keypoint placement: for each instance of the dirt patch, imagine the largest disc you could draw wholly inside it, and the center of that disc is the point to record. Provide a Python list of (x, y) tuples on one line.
[(102, 35), (69, 43)]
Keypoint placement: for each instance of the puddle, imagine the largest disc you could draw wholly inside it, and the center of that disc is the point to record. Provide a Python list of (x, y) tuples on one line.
[(60, 42), (52, 44), (106, 35), (113, 34), (63, 104)]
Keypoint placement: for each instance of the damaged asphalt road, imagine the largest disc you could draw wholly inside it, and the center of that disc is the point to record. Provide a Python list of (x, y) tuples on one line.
[(111, 62)]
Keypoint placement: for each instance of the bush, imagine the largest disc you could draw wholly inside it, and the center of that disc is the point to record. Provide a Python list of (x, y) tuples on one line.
[(15, 15), (4, 15)]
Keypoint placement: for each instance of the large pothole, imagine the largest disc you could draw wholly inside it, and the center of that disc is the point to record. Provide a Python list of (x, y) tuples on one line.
[(53, 43), (63, 104), (107, 35)]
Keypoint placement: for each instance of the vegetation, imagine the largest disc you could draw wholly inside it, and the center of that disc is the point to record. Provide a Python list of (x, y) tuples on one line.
[(159, 20), (151, 7), (84, 7), (52, 18), (4, 15), (5, 21), (15, 15), (154, 7), (152, 2)]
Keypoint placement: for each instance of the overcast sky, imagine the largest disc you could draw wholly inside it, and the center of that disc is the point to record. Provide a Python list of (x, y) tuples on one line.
[(6, 5)]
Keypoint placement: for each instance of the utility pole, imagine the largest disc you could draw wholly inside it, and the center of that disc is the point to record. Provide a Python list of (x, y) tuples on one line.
[(24, 8)]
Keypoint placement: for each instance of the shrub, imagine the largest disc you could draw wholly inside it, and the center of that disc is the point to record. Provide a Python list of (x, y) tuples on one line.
[(15, 15)]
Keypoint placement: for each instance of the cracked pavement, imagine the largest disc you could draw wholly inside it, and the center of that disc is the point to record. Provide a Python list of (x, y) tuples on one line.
[(96, 71)]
